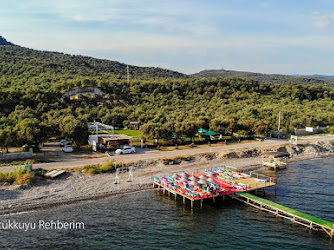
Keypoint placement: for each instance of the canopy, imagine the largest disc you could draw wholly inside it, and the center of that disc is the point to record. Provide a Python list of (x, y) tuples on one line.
[(175, 176), (203, 177), (193, 178), (202, 130), (193, 183), (202, 182), (210, 175), (210, 179), (183, 174), (210, 133)]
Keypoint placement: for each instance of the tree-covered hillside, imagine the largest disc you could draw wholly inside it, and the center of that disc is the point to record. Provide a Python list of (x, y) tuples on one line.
[(31, 107), (3, 41), (23, 62), (266, 78)]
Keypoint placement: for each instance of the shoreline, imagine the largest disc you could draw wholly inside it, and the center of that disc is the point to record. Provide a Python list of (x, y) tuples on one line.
[(78, 187)]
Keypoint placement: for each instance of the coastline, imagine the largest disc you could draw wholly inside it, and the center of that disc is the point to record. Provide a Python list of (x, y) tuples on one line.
[(73, 188)]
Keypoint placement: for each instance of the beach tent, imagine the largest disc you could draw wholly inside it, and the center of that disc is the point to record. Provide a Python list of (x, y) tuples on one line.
[(210, 133)]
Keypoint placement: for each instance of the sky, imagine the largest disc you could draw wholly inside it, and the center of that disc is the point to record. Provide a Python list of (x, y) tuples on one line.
[(267, 36)]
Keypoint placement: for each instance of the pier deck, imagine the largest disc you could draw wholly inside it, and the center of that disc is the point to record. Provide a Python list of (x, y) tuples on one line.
[(295, 216), (211, 183)]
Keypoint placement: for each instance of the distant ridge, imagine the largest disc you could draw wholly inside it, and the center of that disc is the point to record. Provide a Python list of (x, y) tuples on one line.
[(61, 64), (263, 78), (316, 75), (3, 41)]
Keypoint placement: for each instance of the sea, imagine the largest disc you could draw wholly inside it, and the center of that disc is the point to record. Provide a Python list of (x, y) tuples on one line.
[(151, 220)]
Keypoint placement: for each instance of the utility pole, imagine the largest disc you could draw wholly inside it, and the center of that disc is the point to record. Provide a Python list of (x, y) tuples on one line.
[(279, 123), (127, 73)]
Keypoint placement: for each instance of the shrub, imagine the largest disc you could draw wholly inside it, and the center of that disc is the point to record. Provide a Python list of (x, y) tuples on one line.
[(91, 170), (22, 176), (331, 130), (107, 167)]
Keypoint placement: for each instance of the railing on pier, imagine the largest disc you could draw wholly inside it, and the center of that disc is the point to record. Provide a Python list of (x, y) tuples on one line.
[(295, 216)]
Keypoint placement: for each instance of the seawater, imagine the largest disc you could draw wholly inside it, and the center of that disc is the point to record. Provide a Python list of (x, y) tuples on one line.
[(150, 220)]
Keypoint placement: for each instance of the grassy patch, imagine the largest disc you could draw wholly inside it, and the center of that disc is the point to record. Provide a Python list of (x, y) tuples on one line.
[(106, 167), (129, 132), (22, 176)]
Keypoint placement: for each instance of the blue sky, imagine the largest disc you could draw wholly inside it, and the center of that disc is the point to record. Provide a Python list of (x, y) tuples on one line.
[(268, 36)]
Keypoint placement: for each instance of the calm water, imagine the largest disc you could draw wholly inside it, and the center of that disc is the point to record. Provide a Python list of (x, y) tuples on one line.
[(153, 221)]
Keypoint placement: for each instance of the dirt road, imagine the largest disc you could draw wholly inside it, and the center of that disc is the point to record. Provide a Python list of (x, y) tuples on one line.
[(143, 154)]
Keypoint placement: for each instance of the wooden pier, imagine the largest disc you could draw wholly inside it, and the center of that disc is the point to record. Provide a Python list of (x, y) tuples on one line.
[(236, 185), (253, 181), (313, 223)]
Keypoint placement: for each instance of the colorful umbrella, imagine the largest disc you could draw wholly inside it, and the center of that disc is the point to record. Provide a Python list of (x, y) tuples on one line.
[(210, 133), (193, 178)]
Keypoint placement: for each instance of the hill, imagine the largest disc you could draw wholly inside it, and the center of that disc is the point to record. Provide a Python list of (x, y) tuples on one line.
[(3, 41), (13, 58), (263, 78), (32, 109)]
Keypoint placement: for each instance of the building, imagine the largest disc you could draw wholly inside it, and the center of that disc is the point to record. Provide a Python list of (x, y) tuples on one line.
[(105, 142), (310, 130), (134, 125)]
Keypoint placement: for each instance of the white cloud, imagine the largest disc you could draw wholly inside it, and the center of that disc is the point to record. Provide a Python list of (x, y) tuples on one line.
[(322, 21)]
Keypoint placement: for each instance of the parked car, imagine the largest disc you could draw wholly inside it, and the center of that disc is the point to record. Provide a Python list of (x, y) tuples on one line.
[(126, 150), (67, 149), (62, 142)]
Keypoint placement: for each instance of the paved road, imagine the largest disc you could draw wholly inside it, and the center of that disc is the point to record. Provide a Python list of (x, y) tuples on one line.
[(154, 154)]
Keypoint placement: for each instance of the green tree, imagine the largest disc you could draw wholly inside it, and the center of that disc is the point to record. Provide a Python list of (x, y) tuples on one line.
[(28, 132), (75, 130)]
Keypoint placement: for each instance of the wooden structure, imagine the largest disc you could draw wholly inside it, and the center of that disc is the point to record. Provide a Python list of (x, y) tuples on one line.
[(222, 179), (54, 174), (313, 223), (241, 185), (275, 160), (134, 125), (114, 141)]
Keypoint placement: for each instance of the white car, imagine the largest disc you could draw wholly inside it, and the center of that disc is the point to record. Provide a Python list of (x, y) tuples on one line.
[(62, 142), (126, 150), (68, 149)]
